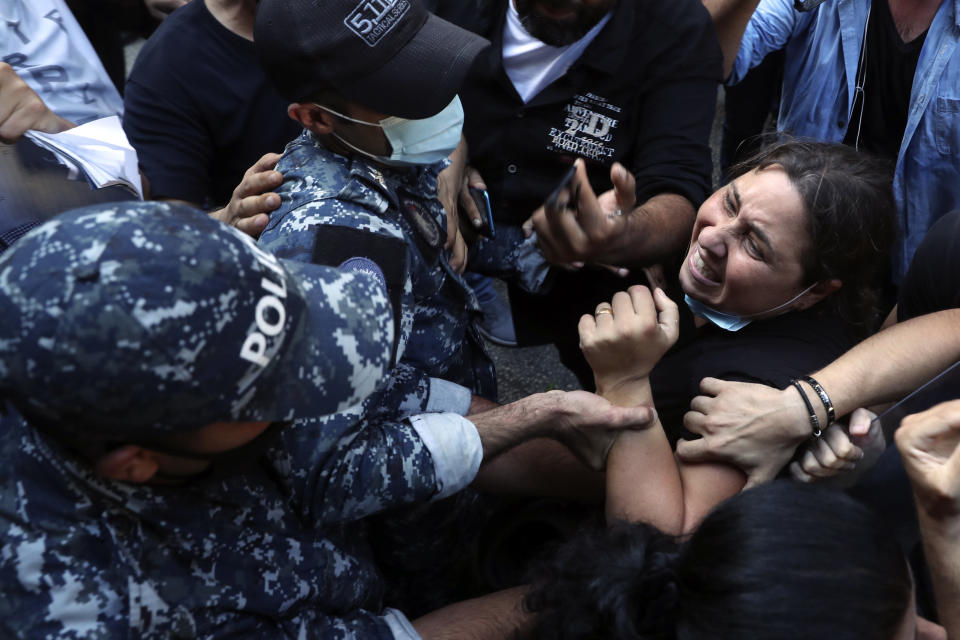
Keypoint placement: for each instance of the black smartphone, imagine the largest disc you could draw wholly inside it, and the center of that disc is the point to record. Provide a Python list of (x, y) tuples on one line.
[(482, 199), (566, 183)]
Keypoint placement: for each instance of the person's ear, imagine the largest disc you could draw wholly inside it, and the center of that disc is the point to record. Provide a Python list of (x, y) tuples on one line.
[(820, 291), (311, 117), (128, 463)]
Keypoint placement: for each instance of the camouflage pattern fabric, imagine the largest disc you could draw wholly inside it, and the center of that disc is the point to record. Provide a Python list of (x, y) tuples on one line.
[(275, 549), (277, 552), (323, 190), (150, 296)]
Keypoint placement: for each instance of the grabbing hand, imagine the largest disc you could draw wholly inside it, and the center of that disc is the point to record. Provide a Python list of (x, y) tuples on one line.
[(751, 426), (928, 444), (253, 199), (449, 186), (841, 450), (21, 109), (586, 227), (588, 425), (471, 218), (625, 339)]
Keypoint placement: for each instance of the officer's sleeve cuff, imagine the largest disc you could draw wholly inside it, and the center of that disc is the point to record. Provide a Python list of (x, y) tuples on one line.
[(532, 267), (455, 446), (448, 396), (399, 625)]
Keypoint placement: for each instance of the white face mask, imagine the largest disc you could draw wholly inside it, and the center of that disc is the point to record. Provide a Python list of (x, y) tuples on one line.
[(414, 142), (732, 321)]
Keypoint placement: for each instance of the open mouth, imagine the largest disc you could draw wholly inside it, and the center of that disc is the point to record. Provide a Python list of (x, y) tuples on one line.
[(701, 271)]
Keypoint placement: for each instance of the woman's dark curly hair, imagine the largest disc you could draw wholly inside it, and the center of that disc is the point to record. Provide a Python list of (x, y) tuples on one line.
[(781, 562), (851, 217)]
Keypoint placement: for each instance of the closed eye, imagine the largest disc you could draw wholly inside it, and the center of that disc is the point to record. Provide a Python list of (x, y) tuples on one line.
[(728, 204), (753, 248)]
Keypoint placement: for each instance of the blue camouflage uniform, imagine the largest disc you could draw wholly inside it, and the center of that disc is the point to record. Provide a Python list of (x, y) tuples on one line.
[(325, 194), (130, 322)]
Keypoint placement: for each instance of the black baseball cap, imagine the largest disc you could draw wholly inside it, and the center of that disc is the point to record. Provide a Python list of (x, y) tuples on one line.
[(392, 56)]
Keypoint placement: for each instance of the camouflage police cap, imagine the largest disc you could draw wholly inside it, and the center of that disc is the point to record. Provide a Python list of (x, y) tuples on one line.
[(136, 320)]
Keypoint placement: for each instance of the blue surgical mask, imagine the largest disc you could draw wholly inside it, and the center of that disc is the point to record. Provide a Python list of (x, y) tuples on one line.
[(414, 142), (732, 321)]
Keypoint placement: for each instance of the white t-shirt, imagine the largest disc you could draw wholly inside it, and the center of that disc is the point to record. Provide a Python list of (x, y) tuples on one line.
[(532, 65), (45, 45)]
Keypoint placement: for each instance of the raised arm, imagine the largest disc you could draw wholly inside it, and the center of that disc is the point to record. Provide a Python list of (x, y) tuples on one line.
[(622, 343), (929, 445), (611, 228)]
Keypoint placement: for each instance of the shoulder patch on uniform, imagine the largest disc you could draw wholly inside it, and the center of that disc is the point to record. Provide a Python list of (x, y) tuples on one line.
[(364, 265), (429, 236), (361, 250)]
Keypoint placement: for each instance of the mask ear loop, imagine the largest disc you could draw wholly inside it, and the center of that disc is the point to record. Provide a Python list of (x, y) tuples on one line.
[(340, 115), (755, 316)]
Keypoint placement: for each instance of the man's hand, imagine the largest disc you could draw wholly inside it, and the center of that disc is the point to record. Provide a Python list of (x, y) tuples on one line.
[(751, 426), (21, 109), (585, 229), (253, 199), (470, 218), (588, 425), (625, 339), (450, 182), (928, 444)]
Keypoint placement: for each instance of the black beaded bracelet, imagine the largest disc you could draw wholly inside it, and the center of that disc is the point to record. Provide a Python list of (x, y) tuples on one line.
[(824, 398), (814, 420)]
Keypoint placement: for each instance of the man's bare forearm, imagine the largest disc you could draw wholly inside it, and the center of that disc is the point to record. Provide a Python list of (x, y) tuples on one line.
[(496, 616), (890, 364), (509, 425), (652, 231), (883, 368), (584, 422)]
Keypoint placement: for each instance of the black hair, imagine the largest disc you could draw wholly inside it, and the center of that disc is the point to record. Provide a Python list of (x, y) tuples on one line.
[(781, 562), (851, 217)]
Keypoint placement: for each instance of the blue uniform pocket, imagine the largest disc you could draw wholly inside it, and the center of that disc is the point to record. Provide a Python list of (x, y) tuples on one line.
[(946, 125)]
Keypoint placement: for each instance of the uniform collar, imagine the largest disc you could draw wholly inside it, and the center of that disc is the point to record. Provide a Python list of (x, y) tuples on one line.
[(376, 186)]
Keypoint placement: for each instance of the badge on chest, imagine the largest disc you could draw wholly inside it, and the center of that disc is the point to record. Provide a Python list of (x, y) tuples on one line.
[(429, 235)]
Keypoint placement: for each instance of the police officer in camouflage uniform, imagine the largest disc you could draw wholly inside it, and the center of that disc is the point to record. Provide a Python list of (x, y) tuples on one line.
[(165, 471), (357, 72)]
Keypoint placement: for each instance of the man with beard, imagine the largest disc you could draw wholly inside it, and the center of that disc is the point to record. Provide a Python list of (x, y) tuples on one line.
[(607, 81)]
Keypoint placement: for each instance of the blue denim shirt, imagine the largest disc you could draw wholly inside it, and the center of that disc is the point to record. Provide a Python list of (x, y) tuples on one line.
[(822, 52)]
